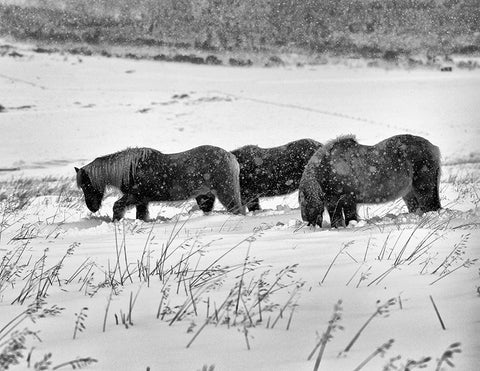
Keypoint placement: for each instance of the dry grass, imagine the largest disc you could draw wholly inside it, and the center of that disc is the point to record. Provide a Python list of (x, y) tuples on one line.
[(190, 285), (178, 269)]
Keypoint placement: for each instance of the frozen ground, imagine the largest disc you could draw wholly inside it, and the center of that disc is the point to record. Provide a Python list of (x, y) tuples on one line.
[(63, 111), (94, 106)]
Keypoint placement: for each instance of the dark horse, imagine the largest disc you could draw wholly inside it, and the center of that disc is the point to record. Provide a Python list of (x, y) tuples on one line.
[(344, 173), (267, 172), (144, 175)]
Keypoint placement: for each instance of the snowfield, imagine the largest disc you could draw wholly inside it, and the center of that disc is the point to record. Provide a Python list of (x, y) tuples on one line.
[(263, 291)]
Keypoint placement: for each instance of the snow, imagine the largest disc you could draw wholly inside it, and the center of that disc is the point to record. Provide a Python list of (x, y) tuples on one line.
[(85, 107)]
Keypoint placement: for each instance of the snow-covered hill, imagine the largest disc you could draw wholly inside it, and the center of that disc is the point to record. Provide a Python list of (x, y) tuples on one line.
[(252, 292)]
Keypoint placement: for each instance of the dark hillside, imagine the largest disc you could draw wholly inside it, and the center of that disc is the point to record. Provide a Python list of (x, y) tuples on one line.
[(371, 28)]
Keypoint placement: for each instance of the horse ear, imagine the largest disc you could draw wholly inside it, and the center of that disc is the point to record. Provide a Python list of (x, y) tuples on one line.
[(76, 169)]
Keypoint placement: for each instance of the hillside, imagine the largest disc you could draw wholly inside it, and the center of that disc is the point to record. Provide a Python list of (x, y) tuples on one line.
[(395, 31)]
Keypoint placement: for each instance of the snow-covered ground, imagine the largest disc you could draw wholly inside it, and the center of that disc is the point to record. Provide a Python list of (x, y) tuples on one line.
[(63, 111)]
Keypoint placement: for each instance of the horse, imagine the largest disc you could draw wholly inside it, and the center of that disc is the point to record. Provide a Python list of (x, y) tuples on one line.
[(144, 175), (267, 172), (344, 173)]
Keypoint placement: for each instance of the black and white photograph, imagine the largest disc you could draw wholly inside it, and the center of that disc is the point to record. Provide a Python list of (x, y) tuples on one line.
[(229, 185)]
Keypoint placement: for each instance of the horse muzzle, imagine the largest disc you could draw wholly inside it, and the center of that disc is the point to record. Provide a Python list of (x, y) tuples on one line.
[(93, 206)]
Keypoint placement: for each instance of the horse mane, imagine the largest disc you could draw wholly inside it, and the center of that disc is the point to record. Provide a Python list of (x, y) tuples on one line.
[(115, 169), (342, 141)]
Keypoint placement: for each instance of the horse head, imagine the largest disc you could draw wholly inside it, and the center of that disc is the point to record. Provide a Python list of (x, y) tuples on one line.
[(93, 197), (311, 208)]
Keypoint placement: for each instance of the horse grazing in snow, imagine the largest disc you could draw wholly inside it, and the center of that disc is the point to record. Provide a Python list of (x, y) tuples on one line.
[(144, 175), (344, 173), (267, 172)]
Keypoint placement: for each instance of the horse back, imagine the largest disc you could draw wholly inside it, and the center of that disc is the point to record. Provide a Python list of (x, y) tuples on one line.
[(273, 171), (372, 173), (200, 170), (419, 151), (381, 172)]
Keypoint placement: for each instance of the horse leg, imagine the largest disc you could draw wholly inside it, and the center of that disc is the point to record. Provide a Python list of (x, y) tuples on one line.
[(429, 201), (411, 201), (426, 187), (120, 206), (350, 209), (424, 200), (430, 198), (230, 198), (253, 204), (316, 220), (206, 202), (142, 211), (336, 214)]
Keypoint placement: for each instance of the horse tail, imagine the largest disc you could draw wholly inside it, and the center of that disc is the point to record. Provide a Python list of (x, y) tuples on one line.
[(235, 169), (227, 184), (310, 194), (426, 160), (438, 170)]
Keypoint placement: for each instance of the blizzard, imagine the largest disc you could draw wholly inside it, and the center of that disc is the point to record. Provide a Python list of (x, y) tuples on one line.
[(261, 291)]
